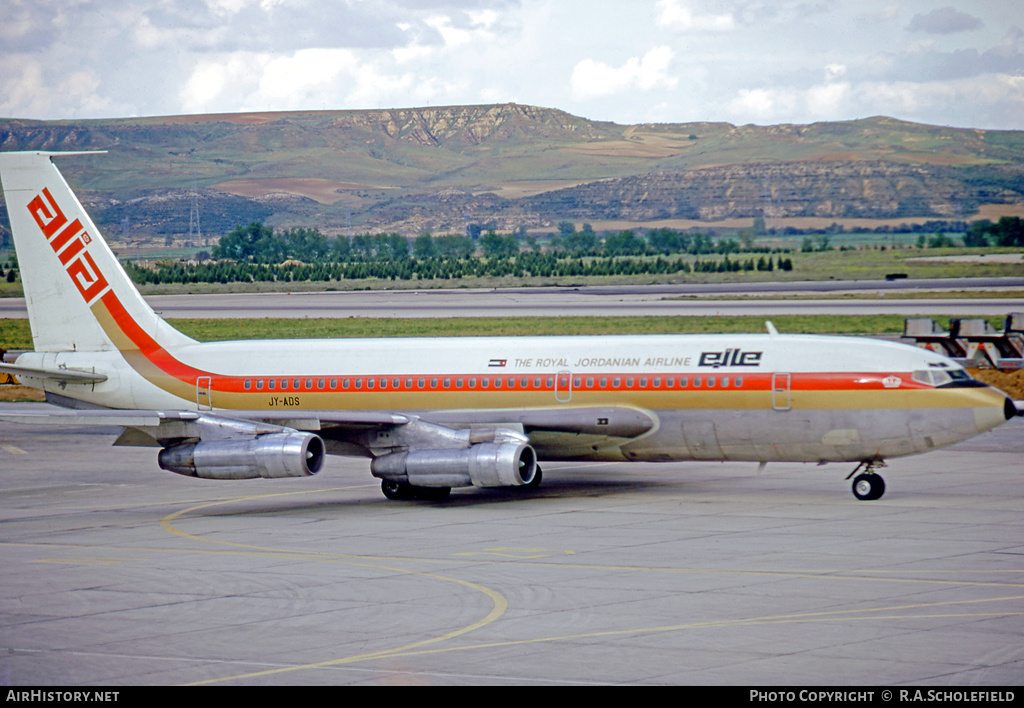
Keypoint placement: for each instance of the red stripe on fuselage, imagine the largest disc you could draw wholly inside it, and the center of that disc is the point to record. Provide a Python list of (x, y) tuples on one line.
[(146, 345), (816, 381)]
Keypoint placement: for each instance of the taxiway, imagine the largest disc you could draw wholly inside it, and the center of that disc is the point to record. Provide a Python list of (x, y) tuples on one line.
[(118, 573)]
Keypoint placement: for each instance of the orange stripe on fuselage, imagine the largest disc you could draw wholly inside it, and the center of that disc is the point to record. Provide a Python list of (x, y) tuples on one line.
[(175, 373), (146, 345)]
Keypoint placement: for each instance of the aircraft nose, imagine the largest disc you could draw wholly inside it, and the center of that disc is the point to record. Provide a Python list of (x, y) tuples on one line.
[(1012, 408)]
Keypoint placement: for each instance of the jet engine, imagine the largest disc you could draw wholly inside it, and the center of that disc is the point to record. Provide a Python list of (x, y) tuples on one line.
[(269, 456), (508, 464)]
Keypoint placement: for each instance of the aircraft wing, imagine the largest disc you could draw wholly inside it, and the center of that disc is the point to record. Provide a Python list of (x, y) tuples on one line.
[(76, 376), (147, 427), (47, 415)]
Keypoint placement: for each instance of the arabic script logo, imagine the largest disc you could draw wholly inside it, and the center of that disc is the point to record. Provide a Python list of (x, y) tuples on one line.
[(68, 241)]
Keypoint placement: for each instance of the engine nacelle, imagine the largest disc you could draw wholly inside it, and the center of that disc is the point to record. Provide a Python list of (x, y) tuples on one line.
[(268, 456), (509, 464)]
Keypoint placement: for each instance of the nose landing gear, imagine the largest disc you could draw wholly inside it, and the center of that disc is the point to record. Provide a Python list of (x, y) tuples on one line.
[(868, 485)]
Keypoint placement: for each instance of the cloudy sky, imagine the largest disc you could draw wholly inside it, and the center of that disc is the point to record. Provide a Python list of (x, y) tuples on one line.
[(951, 62)]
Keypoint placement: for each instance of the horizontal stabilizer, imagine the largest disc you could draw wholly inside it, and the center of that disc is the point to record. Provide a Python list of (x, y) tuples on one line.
[(75, 376), (61, 416)]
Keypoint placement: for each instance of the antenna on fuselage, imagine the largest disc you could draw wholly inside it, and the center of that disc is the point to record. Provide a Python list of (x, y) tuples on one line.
[(771, 328)]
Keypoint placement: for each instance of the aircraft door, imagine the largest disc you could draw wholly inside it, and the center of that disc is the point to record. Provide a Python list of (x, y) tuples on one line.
[(563, 386), (780, 392), (204, 400)]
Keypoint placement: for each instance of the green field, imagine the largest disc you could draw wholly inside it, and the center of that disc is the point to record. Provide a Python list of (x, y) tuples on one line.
[(14, 334), (858, 264)]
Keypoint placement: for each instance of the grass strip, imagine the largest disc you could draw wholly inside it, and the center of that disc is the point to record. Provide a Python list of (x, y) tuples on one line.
[(14, 333)]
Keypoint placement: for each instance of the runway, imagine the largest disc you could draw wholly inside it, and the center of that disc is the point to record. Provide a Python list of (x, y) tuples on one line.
[(932, 298), (118, 573)]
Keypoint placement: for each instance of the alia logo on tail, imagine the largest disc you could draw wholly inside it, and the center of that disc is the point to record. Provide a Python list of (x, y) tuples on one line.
[(69, 244)]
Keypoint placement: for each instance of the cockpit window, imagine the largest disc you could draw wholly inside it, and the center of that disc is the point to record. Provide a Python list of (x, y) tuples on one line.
[(945, 377)]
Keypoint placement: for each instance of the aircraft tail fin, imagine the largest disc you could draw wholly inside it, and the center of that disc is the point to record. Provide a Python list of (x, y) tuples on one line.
[(78, 296)]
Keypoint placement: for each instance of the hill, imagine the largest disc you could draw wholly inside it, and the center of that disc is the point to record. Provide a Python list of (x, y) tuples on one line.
[(441, 168)]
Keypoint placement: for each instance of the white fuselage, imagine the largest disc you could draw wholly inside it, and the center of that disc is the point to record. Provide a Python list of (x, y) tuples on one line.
[(716, 397)]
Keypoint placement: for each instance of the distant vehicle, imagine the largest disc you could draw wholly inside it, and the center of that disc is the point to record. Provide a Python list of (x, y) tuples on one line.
[(432, 414)]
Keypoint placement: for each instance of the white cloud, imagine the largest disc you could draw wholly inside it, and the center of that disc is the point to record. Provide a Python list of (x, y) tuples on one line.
[(762, 105), (593, 79), (787, 61), (289, 79), (217, 81), (675, 16)]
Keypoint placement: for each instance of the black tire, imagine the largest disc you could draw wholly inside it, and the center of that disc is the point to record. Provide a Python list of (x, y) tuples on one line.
[(868, 487), (396, 491)]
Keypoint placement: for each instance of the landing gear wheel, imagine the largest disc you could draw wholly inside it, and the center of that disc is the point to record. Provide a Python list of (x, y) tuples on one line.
[(396, 491), (868, 486)]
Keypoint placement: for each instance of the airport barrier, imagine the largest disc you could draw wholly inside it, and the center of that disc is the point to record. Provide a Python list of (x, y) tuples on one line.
[(972, 342)]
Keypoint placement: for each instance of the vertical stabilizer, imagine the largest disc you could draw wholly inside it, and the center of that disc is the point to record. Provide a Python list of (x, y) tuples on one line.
[(68, 272)]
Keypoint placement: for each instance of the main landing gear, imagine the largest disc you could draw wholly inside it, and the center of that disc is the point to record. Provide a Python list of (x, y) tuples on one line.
[(868, 485), (403, 491)]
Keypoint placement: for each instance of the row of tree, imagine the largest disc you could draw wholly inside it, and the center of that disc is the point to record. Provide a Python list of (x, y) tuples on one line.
[(258, 243), (523, 265), (1008, 231)]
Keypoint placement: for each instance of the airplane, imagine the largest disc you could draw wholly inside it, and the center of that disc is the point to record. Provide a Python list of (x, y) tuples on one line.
[(433, 414)]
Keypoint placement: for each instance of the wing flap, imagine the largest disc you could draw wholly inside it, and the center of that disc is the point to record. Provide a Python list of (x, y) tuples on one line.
[(604, 421)]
